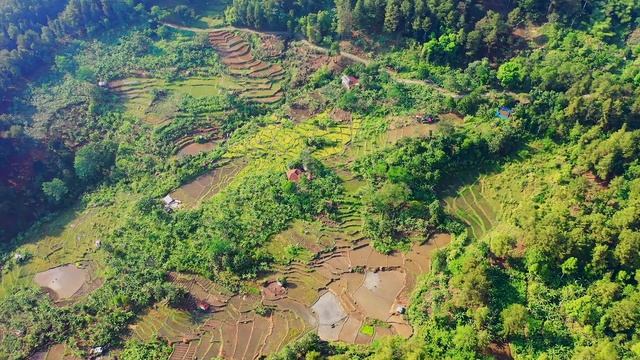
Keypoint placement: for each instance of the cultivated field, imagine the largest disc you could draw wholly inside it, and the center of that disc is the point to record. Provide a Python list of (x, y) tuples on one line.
[(258, 80), (349, 293), (69, 240)]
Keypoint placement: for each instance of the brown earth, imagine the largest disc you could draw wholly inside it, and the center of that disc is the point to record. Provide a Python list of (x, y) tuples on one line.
[(206, 186), (334, 295), (253, 74)]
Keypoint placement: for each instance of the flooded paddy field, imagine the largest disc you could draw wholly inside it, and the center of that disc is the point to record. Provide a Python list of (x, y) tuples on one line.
[(196, 148), (350, 294), (62, 282)]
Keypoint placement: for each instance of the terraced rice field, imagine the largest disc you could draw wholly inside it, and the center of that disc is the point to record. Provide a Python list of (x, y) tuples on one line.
[(136, 93), (473, 205), (343, 271), (55, 352), (231, 330), (259, 81), (69, 239), (206, 186)]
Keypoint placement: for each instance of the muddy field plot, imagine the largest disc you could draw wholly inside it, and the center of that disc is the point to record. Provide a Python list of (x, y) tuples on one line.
[(206, 186)]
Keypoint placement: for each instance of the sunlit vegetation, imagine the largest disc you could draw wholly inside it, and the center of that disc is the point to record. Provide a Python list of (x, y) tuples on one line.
[(244, 178)]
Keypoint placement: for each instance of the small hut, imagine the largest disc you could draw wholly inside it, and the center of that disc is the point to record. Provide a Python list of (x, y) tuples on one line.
[(171, 204), (504, 113), (203, 305), (349, 82)]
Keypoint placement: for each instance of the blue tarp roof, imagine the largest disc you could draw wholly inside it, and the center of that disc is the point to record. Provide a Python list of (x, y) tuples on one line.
[(504, 113)]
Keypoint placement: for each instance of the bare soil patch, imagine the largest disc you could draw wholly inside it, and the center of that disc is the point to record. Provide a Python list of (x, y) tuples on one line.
[(196, 148)]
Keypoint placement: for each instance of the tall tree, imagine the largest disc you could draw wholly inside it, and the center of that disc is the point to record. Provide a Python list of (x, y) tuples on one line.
[(392, 16), (360, 15), (345, 17)]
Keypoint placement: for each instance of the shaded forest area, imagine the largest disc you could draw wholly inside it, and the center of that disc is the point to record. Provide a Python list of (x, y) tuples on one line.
[(31, 32)]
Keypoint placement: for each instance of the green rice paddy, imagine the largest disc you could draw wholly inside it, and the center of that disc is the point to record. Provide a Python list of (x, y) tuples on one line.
[(475, 207)]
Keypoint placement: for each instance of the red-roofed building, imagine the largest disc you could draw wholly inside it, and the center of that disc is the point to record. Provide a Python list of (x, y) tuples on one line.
[(294, 175), (203, 305)]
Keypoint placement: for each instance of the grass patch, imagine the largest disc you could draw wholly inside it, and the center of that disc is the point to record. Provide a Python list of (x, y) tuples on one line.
[(368, 330), (210, 12)]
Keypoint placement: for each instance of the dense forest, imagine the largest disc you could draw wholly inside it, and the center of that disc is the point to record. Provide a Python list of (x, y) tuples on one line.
[(544, 261), (30, 33)]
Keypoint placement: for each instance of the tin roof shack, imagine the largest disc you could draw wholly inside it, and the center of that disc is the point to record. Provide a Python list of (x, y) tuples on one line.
[(349, 82), (171, 204)]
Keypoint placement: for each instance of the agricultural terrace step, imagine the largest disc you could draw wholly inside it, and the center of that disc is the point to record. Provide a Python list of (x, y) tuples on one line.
[(254, 82), (260, 94), (263, 66), (238, 60), (328, 256), (219, 33), (224, 49), (228, 43), (258, 86), (179, 351), (191, 352), (204, 345), (348, 301), (242, 51), (273, 71), (351, 222), (243, 69), (269, 101), (221, 37), (237, 50)]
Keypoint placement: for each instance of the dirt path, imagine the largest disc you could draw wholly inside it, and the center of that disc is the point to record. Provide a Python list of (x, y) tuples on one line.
[(224, 28), (392, 73), (350, 56)]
